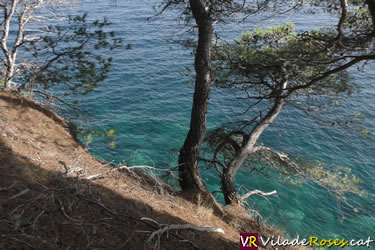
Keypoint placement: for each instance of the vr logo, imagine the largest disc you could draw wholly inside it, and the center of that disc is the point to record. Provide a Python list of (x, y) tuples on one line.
[(249, 241)]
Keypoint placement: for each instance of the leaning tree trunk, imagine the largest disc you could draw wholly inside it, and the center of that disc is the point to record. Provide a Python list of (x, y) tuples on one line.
[(189, 153), (229, 173)]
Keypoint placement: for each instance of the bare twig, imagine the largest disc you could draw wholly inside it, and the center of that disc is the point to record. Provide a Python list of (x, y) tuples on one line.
[(151, 220), (258, 192), (36, 219), (18, 240), (184, 227), (62, 209), (144, 220), (166, 228), (10, 187), (96, 176), (19, 194)]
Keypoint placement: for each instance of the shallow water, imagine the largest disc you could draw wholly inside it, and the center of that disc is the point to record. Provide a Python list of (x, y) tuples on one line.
[(148, 102)]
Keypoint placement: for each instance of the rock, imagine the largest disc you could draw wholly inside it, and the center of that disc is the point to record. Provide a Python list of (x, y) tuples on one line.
[(295, 214)]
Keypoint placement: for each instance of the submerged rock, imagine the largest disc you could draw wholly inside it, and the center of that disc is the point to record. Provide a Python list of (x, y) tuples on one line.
[(294, 214)]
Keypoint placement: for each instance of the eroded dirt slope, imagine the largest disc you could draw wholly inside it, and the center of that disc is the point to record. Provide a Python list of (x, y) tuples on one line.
[(49, 198)]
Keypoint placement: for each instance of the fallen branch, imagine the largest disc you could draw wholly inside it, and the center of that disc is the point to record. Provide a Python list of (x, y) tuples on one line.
[(258, 192), (96, 176), (148, 167), (70, 170), (154, 224), (10, 187), (19, 194), (62, 209), (36, 219), (18, 240), (149, 219), (184, 227)]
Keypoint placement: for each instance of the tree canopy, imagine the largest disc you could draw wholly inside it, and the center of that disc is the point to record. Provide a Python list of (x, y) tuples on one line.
[(279, 66), (274, 67), (206, 14), (51, 47)]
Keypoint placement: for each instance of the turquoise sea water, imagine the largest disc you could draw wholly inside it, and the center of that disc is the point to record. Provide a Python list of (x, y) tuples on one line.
[(148, 102)]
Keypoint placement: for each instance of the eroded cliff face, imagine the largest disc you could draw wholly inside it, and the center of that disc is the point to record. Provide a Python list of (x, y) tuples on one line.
[(53, 194)]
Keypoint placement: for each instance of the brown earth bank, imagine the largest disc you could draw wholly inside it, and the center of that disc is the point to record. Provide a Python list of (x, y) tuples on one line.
[(55, 195)]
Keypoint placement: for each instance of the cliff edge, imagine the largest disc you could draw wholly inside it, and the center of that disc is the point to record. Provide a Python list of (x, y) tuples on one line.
[(55, 195)]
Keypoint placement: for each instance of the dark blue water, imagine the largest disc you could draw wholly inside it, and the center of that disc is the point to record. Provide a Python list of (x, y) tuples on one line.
[(148, 101)]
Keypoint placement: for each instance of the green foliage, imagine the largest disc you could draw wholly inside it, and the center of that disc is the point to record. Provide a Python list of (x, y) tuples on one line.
[(88, 138), (333, 6), (358, 115), (89, 135), (336, 104), (261, 59), (339, 180), (111, 133), (112, 144), (2, 84), (75, 55), (366, 132)]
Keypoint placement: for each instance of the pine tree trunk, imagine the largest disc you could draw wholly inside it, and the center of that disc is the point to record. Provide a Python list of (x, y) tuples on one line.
[(189, 153), (228, 177), (229, 174)]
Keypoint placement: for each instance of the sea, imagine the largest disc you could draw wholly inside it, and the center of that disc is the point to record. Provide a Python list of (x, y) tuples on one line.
[(147, 99)]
